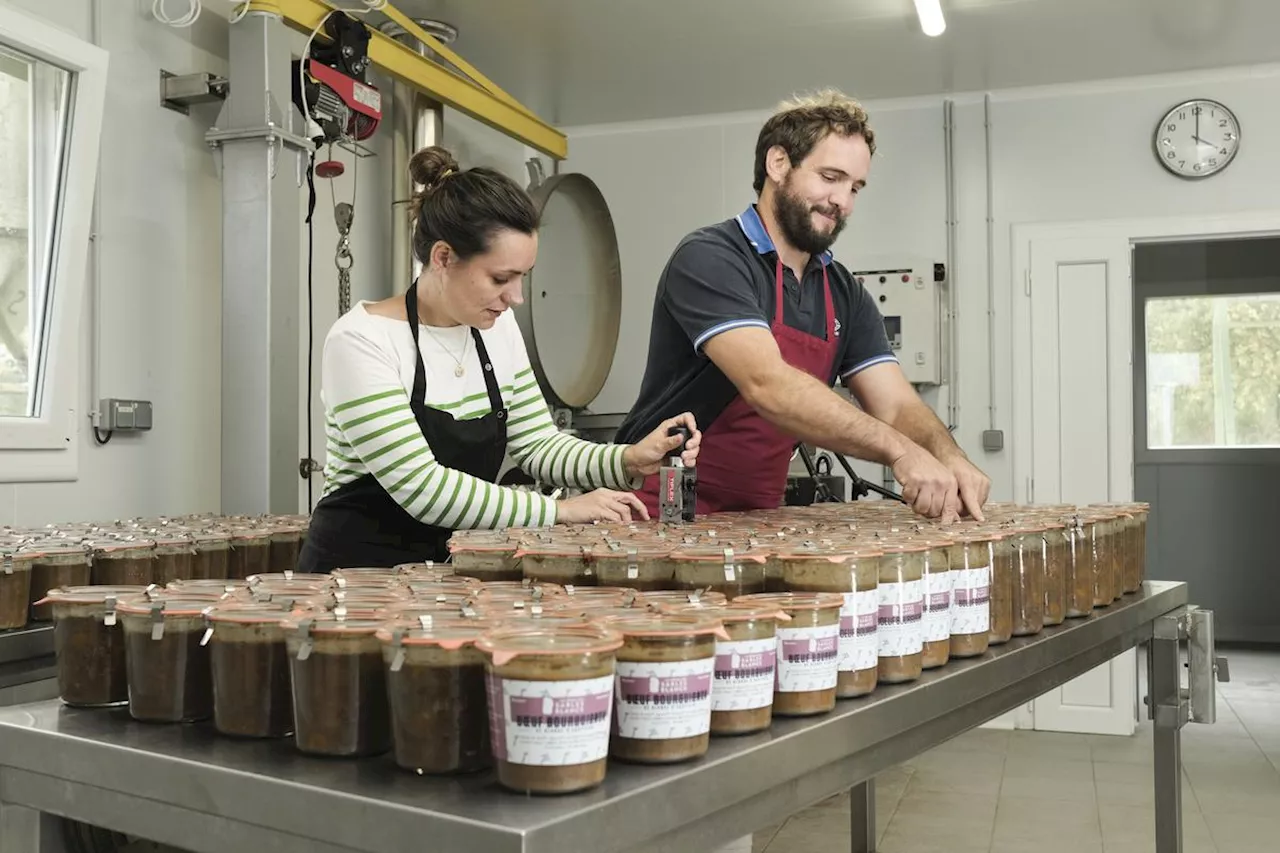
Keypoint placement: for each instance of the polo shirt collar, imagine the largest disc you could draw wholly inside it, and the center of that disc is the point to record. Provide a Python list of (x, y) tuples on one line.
[(753, 229)]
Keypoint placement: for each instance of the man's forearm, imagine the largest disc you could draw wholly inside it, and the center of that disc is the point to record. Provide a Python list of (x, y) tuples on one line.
[(796, 403), (918, 422)]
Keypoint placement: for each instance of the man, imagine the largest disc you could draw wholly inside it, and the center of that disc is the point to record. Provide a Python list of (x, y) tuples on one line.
[(754, 321)]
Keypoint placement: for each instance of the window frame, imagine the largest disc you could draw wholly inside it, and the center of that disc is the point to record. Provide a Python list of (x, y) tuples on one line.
[(59, 421), (1144, 453)]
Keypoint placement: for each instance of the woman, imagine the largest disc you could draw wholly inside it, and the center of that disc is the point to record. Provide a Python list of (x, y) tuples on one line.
[(424, 394)]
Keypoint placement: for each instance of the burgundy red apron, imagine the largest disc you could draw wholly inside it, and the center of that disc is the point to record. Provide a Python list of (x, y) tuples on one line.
[(744, 459)]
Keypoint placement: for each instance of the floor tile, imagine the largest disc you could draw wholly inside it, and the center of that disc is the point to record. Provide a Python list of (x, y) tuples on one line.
[(924, 840), (1050, 745), (1244, 834), (1230, 799), (1031, 819)]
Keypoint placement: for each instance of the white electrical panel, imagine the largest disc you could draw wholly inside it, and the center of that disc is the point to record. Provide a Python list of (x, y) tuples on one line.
[(909, 299)]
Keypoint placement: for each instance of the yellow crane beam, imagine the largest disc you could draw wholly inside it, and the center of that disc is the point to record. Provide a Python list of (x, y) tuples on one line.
[(474, 95)]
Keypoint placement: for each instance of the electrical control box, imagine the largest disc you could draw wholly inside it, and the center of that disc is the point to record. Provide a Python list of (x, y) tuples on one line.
[(908, 295), (119, 415)]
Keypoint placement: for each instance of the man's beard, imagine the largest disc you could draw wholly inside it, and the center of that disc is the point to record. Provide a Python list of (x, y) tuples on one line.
[(797, 225)]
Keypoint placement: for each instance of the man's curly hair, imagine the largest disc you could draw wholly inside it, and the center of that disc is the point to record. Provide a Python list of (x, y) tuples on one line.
[(803, 121)]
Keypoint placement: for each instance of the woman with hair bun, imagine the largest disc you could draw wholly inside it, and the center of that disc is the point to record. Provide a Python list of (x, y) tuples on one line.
[(425, 393)]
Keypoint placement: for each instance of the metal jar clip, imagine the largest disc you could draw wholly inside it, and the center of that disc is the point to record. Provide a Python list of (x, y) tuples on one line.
[(304, 631), (730, 572), (397, 641), (109, 618), (208, 627), (633, 565), (157, 620)]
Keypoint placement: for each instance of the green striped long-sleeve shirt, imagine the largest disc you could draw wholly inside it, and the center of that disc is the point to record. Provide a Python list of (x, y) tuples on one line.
[(366, 378)]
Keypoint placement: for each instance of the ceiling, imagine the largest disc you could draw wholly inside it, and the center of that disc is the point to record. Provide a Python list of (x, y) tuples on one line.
[(579, 62)]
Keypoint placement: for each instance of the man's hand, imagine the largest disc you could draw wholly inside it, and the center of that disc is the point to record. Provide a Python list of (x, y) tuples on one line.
[(928, 486), (973, 485)]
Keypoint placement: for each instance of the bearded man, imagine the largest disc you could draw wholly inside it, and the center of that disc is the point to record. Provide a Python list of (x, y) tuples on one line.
[(754, 321)]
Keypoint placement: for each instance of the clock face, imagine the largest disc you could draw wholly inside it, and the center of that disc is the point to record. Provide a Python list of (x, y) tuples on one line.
[(1197, 138)]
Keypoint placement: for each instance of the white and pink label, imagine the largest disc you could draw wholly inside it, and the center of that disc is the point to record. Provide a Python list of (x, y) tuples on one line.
[(859, 618), (808, 659), (971, 608), (937, 607), (744, 674), (550, 723), (664, 701), (901, 627)]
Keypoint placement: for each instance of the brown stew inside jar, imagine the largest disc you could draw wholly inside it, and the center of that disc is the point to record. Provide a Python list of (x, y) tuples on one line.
[(58, 564), (1056, 558), (438, 695), (808, 650), (252, 694), (855, 574), (250, 554), (551, 700), (174, 559), (732, 572), (901, 619), (742, 693), (936, 624), (636, 566), (15, 587), (212, 560), (286, 545), (971, 558), (88, 644), (666, 666), (486, 561), (124, 563), (339, 686), (1003, 589), (168, 668)]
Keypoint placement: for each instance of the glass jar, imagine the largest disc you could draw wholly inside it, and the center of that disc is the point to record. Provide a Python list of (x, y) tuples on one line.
[(742, 693), (1141, 512), (970, 558), (900, 635), (661, 597), (550, 704), (718, 568), (1079, 569), (662, 712), (1097, 530), (487, 559), (560, 563), (212, 559), (168, 668), (58, 563), (339, 685), (808, 656), (15, 586), (855, 574), (1028, 566), (252, 694), (1057, 557), (635, 565), (1004, 588), (936, 623), (250, 553), (123, 562), (1131, 573), (88, 644), (438, 696), (174, 557), (286, 545)]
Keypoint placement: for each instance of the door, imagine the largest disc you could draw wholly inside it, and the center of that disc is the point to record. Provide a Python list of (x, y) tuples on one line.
[(1078, 315), (1207, 422)]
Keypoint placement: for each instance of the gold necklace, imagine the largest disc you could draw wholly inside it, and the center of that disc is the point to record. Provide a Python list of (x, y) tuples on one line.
[(459, 370)]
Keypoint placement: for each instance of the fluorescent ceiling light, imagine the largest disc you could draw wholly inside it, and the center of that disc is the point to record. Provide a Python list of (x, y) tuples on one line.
[(931, 21)]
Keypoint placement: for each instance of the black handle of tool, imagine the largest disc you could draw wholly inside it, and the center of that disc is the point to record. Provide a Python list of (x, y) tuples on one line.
[(861, 486), (685, 435), (821, 493)]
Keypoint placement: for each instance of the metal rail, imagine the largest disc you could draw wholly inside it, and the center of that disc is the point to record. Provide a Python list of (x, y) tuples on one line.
[(186, 787)]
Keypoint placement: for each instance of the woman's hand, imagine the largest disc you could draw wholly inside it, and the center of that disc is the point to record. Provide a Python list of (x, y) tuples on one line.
[(601, 505), (646, 456)]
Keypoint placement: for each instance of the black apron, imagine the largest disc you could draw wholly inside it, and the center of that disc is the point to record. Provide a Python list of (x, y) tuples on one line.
[(360, 524)]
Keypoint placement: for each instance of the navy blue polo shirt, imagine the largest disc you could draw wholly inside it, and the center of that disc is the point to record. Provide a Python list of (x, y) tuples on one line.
[(722, 277)]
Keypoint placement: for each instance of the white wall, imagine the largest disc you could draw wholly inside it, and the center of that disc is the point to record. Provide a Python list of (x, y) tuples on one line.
[(1061, 154)]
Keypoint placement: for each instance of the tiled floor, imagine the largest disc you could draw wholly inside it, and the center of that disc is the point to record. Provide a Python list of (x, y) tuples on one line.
[(1038, 792)]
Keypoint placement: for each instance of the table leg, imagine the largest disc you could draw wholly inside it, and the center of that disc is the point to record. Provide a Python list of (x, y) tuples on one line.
[(1169, 713), (862, 817), (24, 829)]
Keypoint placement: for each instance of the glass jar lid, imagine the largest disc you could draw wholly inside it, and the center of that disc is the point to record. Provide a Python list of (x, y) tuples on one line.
[(508, 642), (791, 601)]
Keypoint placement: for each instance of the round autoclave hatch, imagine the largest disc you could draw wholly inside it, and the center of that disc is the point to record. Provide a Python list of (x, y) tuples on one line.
[(573, 296)]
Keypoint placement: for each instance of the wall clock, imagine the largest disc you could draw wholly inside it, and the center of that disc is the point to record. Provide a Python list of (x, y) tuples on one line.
[(1197, 138)]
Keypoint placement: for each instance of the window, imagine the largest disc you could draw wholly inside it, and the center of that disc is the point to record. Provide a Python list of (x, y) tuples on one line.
[(33, 117), (1213, 371), (52, 87)]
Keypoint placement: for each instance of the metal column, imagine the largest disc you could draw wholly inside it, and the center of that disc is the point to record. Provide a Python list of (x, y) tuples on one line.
[(417, 121), (862, 817), (262, 214), (1169, 712)]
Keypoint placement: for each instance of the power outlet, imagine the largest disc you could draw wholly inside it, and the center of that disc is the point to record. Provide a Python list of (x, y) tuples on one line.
[(123, 415)]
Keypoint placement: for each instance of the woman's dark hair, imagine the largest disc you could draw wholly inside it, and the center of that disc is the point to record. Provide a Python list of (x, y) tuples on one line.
[(463, 207)]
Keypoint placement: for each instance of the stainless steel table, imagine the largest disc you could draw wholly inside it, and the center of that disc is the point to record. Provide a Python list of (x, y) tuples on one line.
[(185, 786)]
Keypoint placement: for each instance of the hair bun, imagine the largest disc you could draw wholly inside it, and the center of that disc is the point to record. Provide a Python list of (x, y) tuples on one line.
[(431, 165)]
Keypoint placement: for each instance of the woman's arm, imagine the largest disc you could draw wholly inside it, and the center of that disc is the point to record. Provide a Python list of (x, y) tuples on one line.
[(372, 430), (550, 456)]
